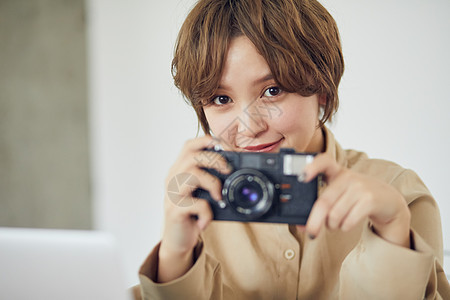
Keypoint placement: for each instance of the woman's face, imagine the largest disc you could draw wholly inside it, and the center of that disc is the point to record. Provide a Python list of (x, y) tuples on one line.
[(251, 113)]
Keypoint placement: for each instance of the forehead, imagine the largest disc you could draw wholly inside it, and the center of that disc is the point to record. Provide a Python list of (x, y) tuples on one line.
[(243, 61)]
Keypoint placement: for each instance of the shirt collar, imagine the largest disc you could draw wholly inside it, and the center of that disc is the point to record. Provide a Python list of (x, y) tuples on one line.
[(333, 148)]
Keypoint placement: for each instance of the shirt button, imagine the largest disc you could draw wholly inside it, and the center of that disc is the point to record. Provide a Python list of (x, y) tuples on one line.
[(289, 254)]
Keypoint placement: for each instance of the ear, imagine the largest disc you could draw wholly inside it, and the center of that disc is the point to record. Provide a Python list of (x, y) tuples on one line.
[(322, 100)]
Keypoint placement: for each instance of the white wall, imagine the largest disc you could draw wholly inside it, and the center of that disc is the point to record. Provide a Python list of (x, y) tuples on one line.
[(394, 102)]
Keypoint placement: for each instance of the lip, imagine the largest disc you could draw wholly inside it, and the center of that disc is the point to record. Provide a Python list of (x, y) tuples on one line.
[(268, 147)]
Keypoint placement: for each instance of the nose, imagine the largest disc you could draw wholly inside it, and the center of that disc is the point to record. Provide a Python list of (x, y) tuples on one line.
[(252, 122)]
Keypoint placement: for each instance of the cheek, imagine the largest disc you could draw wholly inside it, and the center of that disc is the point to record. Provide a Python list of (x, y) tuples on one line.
[(221, 125), (295, 117)]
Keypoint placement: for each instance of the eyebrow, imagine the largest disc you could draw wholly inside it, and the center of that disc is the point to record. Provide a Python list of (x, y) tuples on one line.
[(256, 82), (263, 79)]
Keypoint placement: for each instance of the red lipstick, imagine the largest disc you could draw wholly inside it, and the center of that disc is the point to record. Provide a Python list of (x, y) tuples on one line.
[(268, 147)]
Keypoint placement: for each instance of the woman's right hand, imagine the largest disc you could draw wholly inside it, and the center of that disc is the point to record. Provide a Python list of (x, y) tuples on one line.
[(185, 216)]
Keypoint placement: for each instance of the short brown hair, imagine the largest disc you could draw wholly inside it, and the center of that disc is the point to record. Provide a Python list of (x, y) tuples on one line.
[(299, 40)]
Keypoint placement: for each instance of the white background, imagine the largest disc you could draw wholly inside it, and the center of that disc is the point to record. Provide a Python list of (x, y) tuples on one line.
[(395, 102)]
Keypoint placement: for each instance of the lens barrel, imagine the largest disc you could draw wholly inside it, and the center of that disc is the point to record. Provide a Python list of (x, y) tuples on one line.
[(249, 192)]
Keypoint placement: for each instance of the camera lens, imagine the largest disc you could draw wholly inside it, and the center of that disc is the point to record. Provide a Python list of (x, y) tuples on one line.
[(249, 192)]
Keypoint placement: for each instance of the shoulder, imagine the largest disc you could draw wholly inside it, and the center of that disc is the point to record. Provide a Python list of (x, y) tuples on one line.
[(384, 169), (405, 180)]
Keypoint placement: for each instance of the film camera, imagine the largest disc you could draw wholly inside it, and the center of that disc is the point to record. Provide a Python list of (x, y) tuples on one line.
[(264, 187)]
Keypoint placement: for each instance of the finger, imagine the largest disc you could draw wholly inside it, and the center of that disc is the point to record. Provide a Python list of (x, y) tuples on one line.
[(317, 217), (301, 228), (200, 143), (210, 183), (201, 211), (212, 160), (324, 205), (199, 215), (187, 183), (322, 164), (341, 208), (190, 150), (357, 213)]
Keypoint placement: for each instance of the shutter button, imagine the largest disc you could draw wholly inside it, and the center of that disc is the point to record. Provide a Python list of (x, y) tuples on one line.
[(289, 254)]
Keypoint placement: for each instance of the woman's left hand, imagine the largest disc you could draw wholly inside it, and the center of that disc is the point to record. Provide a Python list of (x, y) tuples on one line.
[(351, 197)]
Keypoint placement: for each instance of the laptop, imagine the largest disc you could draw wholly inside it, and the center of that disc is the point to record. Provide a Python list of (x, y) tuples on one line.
[(60, 264)]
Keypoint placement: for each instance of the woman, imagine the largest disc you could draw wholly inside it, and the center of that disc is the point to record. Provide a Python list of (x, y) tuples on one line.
[(263, 75)]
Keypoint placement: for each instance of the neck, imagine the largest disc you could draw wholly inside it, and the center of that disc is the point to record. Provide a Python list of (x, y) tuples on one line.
[(318, 143)]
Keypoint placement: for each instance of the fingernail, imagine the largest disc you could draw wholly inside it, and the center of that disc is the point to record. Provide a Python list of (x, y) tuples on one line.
[(222, 204), (216, 144), (218, 147), (302, 177), (201, 224)]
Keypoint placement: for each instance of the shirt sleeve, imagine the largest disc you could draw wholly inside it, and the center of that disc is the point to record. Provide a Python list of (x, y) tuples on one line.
[(378, 269), (202, 281)]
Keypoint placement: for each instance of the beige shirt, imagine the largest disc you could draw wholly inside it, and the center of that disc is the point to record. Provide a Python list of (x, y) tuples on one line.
[(273, 261)]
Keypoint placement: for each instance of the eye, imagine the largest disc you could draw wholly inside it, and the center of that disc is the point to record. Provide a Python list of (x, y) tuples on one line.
[(272, 91), (221, 100)]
